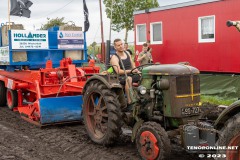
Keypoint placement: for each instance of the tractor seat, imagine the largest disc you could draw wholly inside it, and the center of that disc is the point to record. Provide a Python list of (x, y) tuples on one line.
[(135, 84)]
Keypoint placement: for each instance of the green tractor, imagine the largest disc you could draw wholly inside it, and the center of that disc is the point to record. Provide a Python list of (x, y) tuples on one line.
[(167, 105)]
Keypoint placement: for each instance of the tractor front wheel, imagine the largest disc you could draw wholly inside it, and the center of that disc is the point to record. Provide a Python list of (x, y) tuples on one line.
[(152, 142), (12, 98), (101, 113), (231, 137), (2, 94)]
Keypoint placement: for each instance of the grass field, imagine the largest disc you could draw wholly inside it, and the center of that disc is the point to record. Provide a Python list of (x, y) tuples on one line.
[(217, 100)]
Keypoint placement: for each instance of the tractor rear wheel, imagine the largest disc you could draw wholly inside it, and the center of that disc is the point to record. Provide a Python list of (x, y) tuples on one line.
[(230, 137), (101, 113), (152, 142), (2, 94), (12, 98)]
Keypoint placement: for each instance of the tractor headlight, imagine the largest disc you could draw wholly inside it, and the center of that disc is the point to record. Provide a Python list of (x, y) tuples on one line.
[(142, 90)]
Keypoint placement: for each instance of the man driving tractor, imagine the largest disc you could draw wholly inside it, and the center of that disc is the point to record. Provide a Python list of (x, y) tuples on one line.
[(123, 64)]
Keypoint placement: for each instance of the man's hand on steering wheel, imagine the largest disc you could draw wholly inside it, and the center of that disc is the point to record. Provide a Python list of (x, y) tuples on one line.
[(138, 69), (135, 71)]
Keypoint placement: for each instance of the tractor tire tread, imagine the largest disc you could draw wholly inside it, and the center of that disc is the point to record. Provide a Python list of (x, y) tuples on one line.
[(113, 107), (165, 141), (230, 130)]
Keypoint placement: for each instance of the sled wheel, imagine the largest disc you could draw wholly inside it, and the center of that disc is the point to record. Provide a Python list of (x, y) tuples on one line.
[(2, 94), (231, 137), (12, 98), (152, 142), (101, 113)]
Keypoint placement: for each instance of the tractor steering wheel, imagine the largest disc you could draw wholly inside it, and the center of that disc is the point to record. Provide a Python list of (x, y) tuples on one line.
[(140, 68)]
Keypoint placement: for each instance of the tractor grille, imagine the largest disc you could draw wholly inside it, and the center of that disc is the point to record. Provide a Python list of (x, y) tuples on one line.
[(184, 84), (196, 84)]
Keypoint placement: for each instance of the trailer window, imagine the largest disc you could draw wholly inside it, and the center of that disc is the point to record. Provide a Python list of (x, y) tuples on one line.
[(156, 32), (141, 34), (206, 29)]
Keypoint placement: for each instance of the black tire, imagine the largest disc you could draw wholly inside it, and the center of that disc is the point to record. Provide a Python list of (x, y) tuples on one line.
[(230, 136), (2, 94), (102, 120), (153, 137), (12, 98)]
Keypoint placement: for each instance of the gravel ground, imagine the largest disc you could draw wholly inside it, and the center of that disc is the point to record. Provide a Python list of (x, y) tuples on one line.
[(20, 140)]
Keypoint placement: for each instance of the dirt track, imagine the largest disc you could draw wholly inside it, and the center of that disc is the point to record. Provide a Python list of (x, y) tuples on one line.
[(20, 140)]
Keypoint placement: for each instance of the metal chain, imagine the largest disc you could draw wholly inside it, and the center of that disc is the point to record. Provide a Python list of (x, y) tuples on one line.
[(212, 130)]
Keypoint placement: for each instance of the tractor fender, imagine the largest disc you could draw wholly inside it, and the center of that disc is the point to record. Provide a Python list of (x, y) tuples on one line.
[(103, 80), (227, 113), (136, 126)]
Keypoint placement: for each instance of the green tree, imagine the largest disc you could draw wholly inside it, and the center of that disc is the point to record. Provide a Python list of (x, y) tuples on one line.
[(94, 44), (122, 14), (94, 49), (53, 22)]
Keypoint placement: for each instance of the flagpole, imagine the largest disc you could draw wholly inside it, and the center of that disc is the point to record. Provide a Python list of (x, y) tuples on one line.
[(111, 22), (9, 15), (102, 44)]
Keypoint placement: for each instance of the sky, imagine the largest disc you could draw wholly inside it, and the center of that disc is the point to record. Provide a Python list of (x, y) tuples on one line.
[(72, 10)]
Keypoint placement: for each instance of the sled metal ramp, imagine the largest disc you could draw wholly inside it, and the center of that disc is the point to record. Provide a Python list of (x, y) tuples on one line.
[(60, 109)]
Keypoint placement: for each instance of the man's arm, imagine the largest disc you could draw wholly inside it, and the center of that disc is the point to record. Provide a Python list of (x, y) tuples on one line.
[(141, 56), (115, 63), (150, 50)]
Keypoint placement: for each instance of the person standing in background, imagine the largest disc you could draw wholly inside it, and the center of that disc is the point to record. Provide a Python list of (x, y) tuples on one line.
[(136, 58), (145, 56), (128, 50)]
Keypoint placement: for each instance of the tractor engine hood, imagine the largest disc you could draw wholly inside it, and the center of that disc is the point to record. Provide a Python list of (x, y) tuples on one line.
[(169, 69)]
